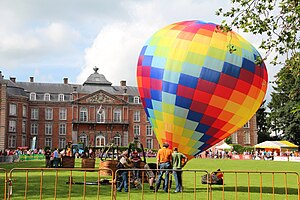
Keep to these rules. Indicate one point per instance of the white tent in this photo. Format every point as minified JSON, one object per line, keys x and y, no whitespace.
{"x":224,"y":146}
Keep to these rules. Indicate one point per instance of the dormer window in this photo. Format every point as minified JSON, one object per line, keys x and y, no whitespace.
{"x":61,"y":97}
{"x":47,"y":97}
{"x":136,"y":99}
{"x":32,"y":96}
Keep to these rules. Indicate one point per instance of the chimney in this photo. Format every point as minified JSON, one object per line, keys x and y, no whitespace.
{"x":1,"y":76}
{"x":123,"y":83}
{"x":31,"y":79}
{"x":13,"y":79}
{"x":66,"y":81}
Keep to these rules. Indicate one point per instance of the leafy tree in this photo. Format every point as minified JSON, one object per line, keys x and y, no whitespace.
{"x":278,"y":21}
{"x":285,"y":102}
{"x":263,"y":127}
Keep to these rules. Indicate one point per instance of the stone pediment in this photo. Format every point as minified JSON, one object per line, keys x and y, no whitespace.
{"x":102,"y":98}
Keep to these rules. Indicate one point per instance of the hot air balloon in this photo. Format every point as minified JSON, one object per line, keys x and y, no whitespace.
{"x":199,"y":84}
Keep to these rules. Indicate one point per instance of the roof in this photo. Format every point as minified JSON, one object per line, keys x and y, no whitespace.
{"x":275,"y":145}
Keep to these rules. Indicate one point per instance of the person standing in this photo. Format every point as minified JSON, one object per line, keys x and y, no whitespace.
{"x":47,"y":157}
{"x":179,"y":161}
{"x":124,"y":162}
{"x":163,"y":162}
{"x":55,"y":158}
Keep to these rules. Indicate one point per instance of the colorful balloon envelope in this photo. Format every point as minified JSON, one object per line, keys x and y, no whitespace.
{"x":199,"y":84}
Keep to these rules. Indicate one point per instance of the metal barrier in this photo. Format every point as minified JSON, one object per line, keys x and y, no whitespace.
{"x":81,"y":183}
{"x":3,"y":183}
{"x":60,"y":183}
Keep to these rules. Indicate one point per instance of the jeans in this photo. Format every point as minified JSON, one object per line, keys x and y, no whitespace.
{"x":55,"y":162}
{"x":163,"y":166}
{"x":124,"y":182}
{"x":178,"y":179}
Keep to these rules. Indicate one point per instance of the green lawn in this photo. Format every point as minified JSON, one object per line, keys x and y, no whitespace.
{"x":263,"y":185}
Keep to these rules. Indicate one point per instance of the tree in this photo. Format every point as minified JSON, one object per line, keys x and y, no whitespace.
{"x":263,"y":127}
{"x":278,"y":21}
{"x":285,"y":102}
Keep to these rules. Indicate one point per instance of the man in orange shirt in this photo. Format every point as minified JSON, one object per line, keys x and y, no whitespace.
{"x":164,"y":160}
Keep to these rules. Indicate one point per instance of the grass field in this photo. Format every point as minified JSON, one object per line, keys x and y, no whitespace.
{"x":241,"y":185}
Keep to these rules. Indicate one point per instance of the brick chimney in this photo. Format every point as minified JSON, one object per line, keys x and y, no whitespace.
{"x":31,"y":78}
{"x":1,"y":76}
{"x":123,"y":83}
{"x":13,"y":79}
{"x":66,"y":81}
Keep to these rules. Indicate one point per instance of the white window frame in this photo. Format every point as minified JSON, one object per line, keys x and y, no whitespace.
{"x":12,"y":140}
{"x":12,"y":109}
{"x":136,"y":99}
{"x":247,"y":137}
{"x":47,"y":97}
{"x":136,"y":129}
{"x":100,"y":141}
{"x":24,"y":111}
{"x":247,"y":125}
{"x":234,"y":138}
{"x":32,"y":96}
{"x":62,"y":141}
{"x":34,"y":129}
{"x":117,"y":115}
{"x":61,"y":97}
{"x":137,"y":116}
{"x":117,"y":140}
{"x":34,"y":113}
{"x":48,"y":129}
{"x":62,"y":114}
{"x":12,"y":126}
{"x":48,"y":142}
{"x":100,"y":117}
{"x":24,"y":138}
{"x":83,"y":114}
{"x":84,"y":139}
{"x":149,"y":131}
{"x":23,"y":126}
{"x":48,"y":114}
{"x":149,"y":143}
{"x":62,"y":129}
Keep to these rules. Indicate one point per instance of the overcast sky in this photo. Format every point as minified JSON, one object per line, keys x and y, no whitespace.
{"x":54,"y":39}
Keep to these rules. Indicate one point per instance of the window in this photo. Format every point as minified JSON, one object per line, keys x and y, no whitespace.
{"x":117,"y":140}
{"x":34,"y":113}
{"x":83,"y":115}
{"x":48,"y":129}
{"x":117,"y":115}
{"x":234,"y":138}
{"x":48,"y":114}
{"x":136,"y":130}
{"x":12,"y":124}
{"x":62,"y":143}
{"x":47,"y":97}
{"x":62,"y":114}
{"x":61,"y":97}
{"x":48,"y":142}
{"x":125,"y":138}
{"x":32,"y":96}
{"x":24,"y":111}
{"x":23,"y":140}
{"x":12,"y":109}
{"x":247,"y":137}
{"x":149,"y":130}
{"x":100,"y":141}
{"x":247,"y":125}
{"x":12,"y":141}
{"x":83,"y":139}
{"x":149,"y":143}
{"x":100,"y":115}
{"x":62,"y":129}
{"x":34,"y":129}
{"x":136,"y":100}
{"x":23,"y":126}
{"x":136,"y":116}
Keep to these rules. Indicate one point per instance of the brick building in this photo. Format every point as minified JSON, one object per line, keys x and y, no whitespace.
{"x":95,"y":113}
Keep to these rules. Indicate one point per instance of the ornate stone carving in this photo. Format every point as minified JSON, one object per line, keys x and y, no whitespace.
{"x":99,"y":98}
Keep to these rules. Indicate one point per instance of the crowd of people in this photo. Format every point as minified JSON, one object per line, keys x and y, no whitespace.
{"x":168,"y":162}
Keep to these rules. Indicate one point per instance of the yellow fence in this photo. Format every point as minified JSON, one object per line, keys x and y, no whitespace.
{"x":82,"y":183}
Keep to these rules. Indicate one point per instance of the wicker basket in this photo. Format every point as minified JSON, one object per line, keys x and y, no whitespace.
{"x":110,"y":164}
{"x":68,"y":162}
{"x":88,"y":163}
